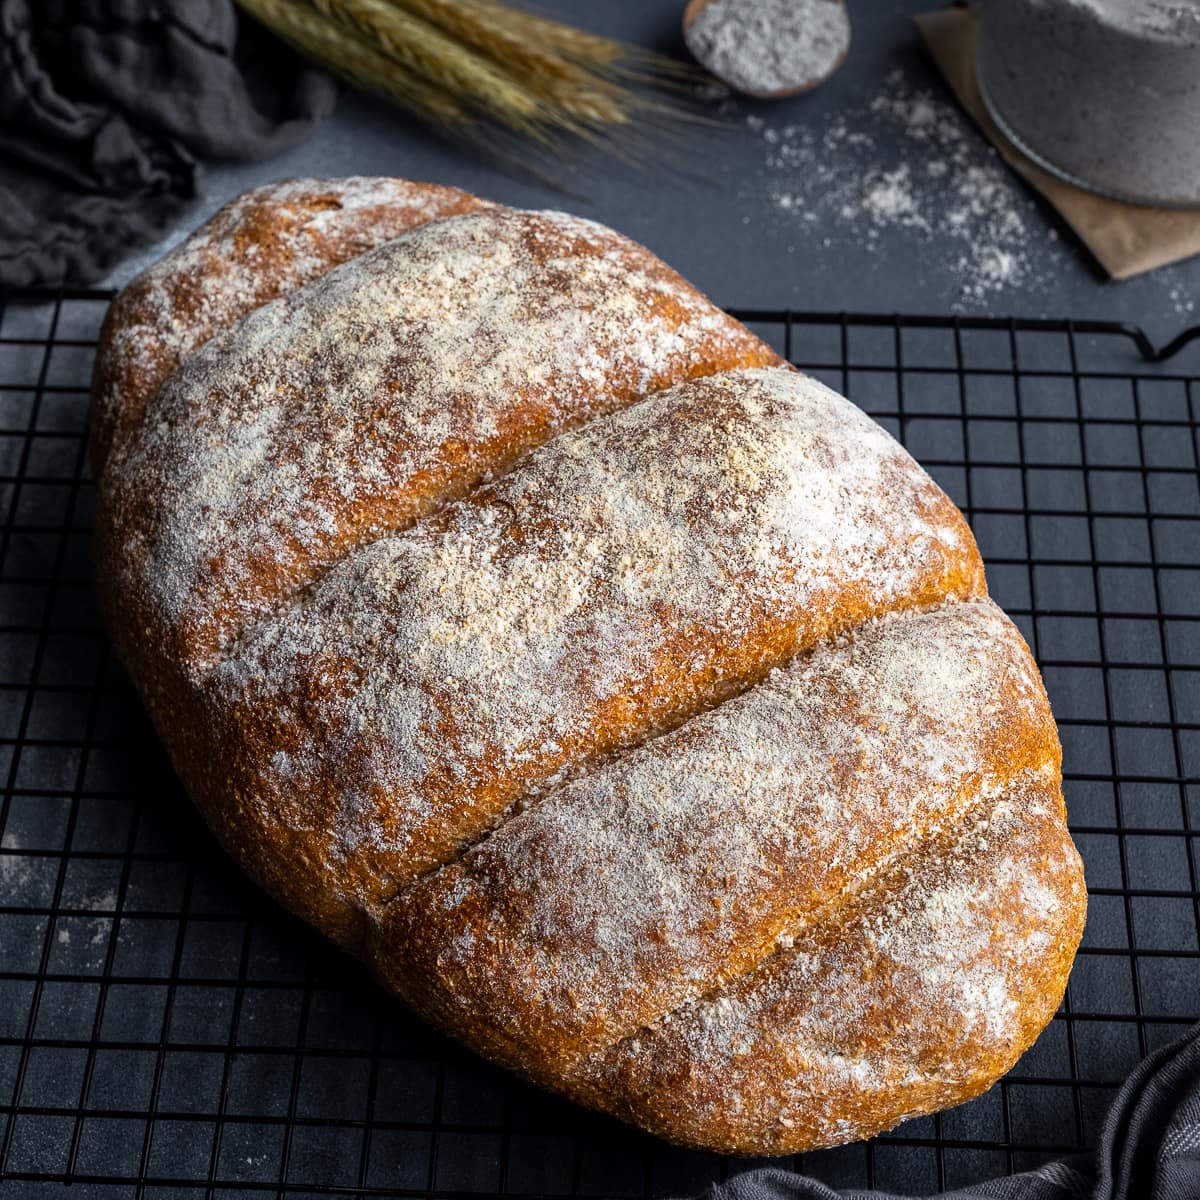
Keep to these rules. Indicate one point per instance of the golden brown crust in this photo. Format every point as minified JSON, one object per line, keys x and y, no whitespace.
{"x":263,"y":244}
{"x":467,"y":662}
{"x":747,"y":821}
{"x":367,"y":654}
{"x":385,"y":388}
{"x":917,"y":997}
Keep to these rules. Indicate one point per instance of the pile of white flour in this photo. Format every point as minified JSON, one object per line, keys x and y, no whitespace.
{"x":763,"y":46}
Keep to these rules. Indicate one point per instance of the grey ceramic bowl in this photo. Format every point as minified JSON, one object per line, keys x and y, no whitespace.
{"x":1104,"y":93}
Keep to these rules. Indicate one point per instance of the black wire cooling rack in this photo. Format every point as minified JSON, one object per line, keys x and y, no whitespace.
{"x":166,"y":1031}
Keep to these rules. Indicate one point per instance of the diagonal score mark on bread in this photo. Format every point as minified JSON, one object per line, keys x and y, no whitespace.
{"x":262,"y":245}
{"x":780,"y":804}
{"x":624,"y":575}
{"x":936,"y":977}
{"x":435,"y":598}
{"x":450,"y":352}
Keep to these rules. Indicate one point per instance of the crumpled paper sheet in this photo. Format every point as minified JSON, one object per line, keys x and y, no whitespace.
{"x":1126,"y":239}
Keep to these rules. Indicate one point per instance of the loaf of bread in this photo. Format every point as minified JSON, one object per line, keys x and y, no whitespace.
{"x":630,"y":701}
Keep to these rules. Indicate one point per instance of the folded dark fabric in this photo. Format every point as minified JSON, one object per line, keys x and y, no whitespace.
{"x":105,"y":105}
{"x":1149,"y":1149}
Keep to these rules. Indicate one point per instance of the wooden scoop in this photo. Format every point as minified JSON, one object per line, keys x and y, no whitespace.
{"x":718,"y":56}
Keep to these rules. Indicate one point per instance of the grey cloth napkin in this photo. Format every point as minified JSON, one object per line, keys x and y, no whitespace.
{"x":105,"y":106}
{"x":1149,"y":1149}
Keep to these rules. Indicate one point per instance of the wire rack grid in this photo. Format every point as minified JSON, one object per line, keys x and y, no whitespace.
{"x":165,"y":1030}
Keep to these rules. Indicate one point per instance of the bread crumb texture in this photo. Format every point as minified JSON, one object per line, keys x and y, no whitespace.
{"x":632,"y":702}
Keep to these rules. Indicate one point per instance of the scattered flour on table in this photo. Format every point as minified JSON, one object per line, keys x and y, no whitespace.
{"x":769,"y":45}
{"x":1181,"y":298}
{"x":910,"y":160}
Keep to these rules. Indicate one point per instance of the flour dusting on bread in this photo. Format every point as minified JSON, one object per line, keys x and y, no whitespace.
{"x":885,"y":1012}
{"x":358,"y":403}
{"x":266,"y":243}
{"x":751,"y":822}
{"x":623,"y":576}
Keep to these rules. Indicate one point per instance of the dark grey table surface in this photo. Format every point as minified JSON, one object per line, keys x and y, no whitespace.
{"x":872,"y":194}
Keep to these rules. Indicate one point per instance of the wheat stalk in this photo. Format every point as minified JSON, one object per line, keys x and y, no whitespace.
{"x":313,"y":35}
{"x":489,"y":26}
{"x":420,"y":49}
{"x":469,"y":66}
{"x":493,"y":27}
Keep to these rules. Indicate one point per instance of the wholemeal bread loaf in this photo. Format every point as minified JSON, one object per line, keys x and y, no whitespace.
{"x":631,"y":702}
